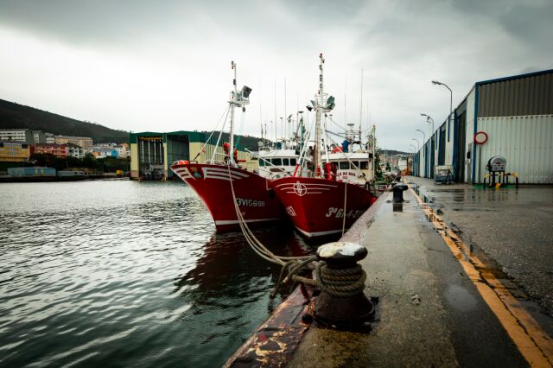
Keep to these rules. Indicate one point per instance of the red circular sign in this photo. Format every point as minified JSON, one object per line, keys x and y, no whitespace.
{"x":480,"y":138}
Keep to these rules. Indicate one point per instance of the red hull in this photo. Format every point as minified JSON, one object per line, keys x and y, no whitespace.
{"x":212,"y":183}
{"x":316,"y":206}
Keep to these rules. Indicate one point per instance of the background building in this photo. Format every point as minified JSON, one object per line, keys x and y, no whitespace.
{"x":22,"y":172}
{"x":14,"y":152}
{"x":39,"y":137}
{"x":17,"y":135}
{"x":75,"y":150}
{"x":516,"y":114}
{"x":155,"y":152}
{"x":79,"y":141}
{"x":103,"y":152}
{"x":50,"y":138}
{"x":123,"y":150}
{"x":58,"y":150}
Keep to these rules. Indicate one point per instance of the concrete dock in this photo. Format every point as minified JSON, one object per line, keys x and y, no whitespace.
{"x":440,"y":302}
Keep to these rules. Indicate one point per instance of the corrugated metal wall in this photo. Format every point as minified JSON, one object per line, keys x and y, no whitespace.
{"x":532,"y":95}
{"x":525,"y":141}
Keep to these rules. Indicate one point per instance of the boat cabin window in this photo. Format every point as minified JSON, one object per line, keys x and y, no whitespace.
{"x":364,"y":165}
{"x":277,"y":161}
{"x":285,"y":162}
{"x":292,"y":162}
{"x":261,"y":162}
{"x":344,"y":165}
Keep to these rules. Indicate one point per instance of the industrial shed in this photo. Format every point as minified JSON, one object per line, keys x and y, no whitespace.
{"x":152,"y":153}
{"x":516,"y":113}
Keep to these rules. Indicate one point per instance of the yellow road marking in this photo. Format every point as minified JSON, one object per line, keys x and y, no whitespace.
{"x":532,"y":341}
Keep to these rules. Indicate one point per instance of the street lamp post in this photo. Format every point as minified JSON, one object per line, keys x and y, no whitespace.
{"x":436,"y":83}
{"x":423,"y":135}
{"x":415,"y":171}
{"x":429,"y":120}
{"x":418,"y":144}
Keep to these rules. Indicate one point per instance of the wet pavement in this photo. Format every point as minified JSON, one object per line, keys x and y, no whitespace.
{"x":511,"y":228}
{"x":429,"y":312}
{"x":440,"y":301}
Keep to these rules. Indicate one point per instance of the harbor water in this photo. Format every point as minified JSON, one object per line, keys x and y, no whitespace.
{"x":123,"y":273}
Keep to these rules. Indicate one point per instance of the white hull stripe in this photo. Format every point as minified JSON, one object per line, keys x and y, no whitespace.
{"x":318,"y":233}
{"x":218,"y":174}
{"x":292,"y":192}
{"x":182,"y":173}
{"x":235,"y":222}
{"x":215,"y":177}
{"x":224,"y":171}
{"x":184,"y":177}
{"x":308,"y":189}
{"x":307,"y":185}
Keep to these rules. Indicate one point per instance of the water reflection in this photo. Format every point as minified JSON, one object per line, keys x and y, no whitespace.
{"x":127,"y":273}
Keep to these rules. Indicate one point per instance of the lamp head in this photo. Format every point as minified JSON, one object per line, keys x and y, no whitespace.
{"x":246,"y":92}
{"x":436,"y":83}
{"x":423,"y":114}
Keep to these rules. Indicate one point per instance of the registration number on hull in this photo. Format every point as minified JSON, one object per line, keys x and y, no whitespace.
{"x":339,"y":213}
{"x":245,"y":202}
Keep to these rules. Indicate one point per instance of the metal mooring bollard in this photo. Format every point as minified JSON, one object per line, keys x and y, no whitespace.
{"x":398,"y":190}
{"x":342,"y":302}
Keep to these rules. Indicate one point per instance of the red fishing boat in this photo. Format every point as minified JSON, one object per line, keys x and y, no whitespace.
{"x":316,"y":202}
{"x":215,"y":181}
{"x":212,"y":183}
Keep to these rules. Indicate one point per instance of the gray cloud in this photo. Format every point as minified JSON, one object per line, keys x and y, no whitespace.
{"x":165,"y":49}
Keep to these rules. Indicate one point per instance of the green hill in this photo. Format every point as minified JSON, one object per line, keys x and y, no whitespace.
{"x":391,"y":152}
{"x":13,"y":115}
{"x":245,"y":141}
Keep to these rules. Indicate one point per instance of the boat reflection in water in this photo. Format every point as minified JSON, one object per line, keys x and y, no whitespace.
{"x":226,"y":295}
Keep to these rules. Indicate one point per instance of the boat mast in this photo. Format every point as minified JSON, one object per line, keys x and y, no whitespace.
{"x":240,"y":99}
{"x":320,"y":104}
{"x":232,"y":104}
{"x":361,"y":108}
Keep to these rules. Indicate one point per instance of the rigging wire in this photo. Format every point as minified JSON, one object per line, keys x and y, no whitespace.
{"x":225,"y":113}
{"x":220,"y":135}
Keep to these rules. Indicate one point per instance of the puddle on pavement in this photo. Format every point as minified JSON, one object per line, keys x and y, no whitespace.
{"x":460,"y":298}
{"x":447,"y":190}
{"x":473,"y":209}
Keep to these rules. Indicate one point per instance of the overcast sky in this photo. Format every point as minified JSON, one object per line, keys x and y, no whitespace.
{"x":150,"y":65}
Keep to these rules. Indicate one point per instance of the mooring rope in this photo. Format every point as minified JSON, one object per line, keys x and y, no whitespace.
{"x":340,"y":283}
{"x":251,"y":239}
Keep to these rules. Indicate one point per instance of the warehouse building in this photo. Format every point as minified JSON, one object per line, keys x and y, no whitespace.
{"x":512,"y":118}
{"x":153,"y":153}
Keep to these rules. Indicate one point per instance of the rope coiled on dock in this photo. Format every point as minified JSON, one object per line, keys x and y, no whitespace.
{"x":339,"y":283}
